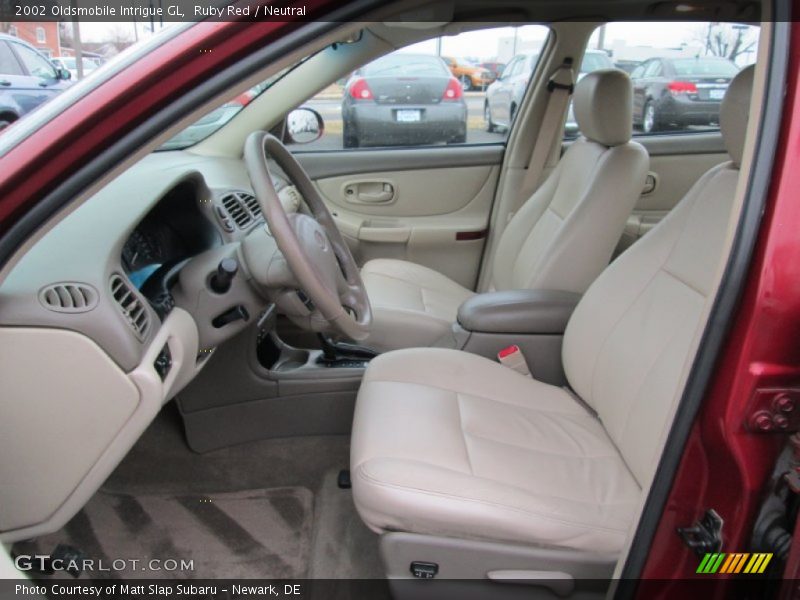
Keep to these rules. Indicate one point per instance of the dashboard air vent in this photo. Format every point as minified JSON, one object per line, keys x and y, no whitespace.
{"x":69,"y":297}
{"x":252,"y":205}
{"x":132,"y":307}
{"x":242,"y":207}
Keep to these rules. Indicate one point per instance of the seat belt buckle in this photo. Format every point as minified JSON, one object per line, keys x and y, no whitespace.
{"x":513,"y":358}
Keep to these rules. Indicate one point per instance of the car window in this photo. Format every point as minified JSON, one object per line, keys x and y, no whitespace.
{"x":413,"y":97}
{"x":35,"y":63}
{"x":509,"y":69}
{"x":653,"y":69}
{"x":595,"y":61}
{"x":704,"y":67}
{"x":397,"y":66}
{"x":680,"y":71}
{"x":211,"y":122}
{"x":9,"y":65}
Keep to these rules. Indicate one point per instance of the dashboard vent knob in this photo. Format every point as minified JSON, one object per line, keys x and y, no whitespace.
{"x":133,"y":308}
{"x":68,"y":297}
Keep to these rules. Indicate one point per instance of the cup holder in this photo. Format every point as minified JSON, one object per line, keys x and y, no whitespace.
{"x":274,"y":355}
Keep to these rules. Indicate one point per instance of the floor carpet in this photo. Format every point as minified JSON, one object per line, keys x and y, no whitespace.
{"x":269,"y":509}
{"x":247,"y":534}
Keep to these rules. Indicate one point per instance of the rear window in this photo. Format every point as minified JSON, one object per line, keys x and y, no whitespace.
{"x":406,"y":66}
{"x":688,"y":67}
{"x":595,"y":62}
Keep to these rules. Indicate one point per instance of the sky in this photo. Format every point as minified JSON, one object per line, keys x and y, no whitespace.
{"x":483,"y":44}
{"x":661,"y":35}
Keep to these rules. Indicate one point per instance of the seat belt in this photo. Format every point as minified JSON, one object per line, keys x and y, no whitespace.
{"x":560,"y":87}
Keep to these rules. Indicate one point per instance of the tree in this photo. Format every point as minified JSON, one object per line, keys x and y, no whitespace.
{"x":727,"y":40}
{"x":119,"y":36}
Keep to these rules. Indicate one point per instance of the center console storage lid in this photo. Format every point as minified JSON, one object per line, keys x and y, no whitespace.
{"x":518,"y":311}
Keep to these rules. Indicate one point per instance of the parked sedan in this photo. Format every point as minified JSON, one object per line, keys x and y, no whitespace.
{"x":471,"y":75}
{"x":403,"y":99}
{"x":70,"y":63}
{"x":27,"y":79}
{"x":504,"y":95}
{"x":679,"y":91}
{"x":494,"y":67}
{"x":593,"y":60}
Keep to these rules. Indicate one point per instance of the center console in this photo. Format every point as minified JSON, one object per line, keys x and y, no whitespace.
{"x":256,"y":386}
{"x":534,"y":320}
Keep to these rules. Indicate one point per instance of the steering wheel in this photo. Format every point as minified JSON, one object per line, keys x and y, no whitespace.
{"x":313,"y":248}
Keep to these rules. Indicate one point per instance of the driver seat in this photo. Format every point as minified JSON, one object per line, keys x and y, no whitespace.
{"x":448,"y":445}
{"x":561,"y":238}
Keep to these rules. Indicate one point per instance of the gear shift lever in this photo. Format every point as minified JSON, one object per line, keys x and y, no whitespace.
{"x":328,"y":349}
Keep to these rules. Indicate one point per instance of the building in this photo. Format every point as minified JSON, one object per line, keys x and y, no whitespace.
{"x":43,"y":35}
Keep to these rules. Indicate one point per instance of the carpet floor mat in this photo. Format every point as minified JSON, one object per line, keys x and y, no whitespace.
{"x":246,"y":534}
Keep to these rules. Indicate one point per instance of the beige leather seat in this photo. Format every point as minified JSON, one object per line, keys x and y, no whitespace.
{"x":450,"y":444}
{"x":561,"y":238}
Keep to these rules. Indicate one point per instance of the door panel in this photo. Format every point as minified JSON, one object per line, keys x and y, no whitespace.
{"x":676,"y":163}
{"x":436,"y":215}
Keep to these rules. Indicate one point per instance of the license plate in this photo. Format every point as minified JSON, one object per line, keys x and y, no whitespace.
{"x":716,"y":94}
{"x":409,"y":116}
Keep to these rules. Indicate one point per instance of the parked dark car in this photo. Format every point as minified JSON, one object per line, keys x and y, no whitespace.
{"x":679,"y":91}
{"x":403,"y":99}
{"x":27,"y":79}
{"x":495,"y":68}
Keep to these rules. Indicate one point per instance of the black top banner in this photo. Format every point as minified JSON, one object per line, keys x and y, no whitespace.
{"x":298,"y":10}
{"x":146,"y":10}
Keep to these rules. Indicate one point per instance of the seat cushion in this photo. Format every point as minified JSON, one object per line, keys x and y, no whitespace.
{"x":412,"y":305}
{"x":449,"y":443}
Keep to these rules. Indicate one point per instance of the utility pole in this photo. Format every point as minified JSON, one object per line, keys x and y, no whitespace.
{"x":601,"y":38}
{"x":76,"y":40}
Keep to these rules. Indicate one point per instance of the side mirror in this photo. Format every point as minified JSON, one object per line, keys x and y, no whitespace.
{"x":63,"y":73}
{"x":303,"y":126}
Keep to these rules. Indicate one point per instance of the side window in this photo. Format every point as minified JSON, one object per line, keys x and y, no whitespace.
{"x":9,"y":65}
{"x":680,"y":72}
{"x":36,"y":64}
{"x":653,"y":69}
{"x":437,"y":92}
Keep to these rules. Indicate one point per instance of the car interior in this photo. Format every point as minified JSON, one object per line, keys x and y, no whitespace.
{"x":231,"y":352}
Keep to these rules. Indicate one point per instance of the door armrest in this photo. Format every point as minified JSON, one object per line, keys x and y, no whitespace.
{"x":518,"y":311}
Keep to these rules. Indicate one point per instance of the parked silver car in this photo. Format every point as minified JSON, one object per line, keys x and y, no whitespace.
{"x":504,"y":95}
{"x":593,"y":60}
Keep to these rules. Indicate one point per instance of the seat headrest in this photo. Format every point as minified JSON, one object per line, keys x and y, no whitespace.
{"x":603,"y":106}
{"x":734,"y":111}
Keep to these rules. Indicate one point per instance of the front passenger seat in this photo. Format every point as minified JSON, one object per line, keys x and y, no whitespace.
{"x":561,"y":239}
{"x":461,"y":461}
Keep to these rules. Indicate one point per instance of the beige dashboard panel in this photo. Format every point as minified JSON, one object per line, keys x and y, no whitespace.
{"x":69,"y":414}
{"x":63,"y":402}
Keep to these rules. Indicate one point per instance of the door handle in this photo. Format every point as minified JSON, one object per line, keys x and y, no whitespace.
{"x":369,"y":192}
{"x":650,"y":184}
{"x":5,"y":82}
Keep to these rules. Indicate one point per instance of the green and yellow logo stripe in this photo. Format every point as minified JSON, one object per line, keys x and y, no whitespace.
{"x":734,"y":562}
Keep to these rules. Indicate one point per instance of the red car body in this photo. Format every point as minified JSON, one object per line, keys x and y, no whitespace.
{"x":724,"y":465}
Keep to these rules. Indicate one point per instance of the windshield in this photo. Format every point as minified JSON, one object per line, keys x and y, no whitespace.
{"x":704,"y":67}
{"x":208,"y":124}
{"x":398,"y":65}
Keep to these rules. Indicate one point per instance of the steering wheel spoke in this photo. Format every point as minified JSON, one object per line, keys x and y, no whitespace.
{"x":312,"y":246}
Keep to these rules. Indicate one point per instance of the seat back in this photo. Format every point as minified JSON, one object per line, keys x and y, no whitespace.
{"x":564,"y":235}
{"x":627,"y":342}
